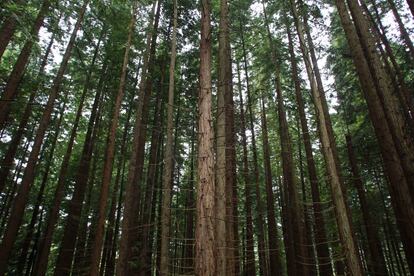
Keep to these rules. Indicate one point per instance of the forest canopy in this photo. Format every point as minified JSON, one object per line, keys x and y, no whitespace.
{"x":209,"y":137}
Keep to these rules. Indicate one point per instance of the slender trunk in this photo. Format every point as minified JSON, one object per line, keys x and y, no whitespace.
{"x":205,"y":261}
{"x":10,"y":91}
{"x":377,"y":262}
{"x":259,"y":206}
{"x":152,"y":174}
{"x":225,"y":79}
{"x":329,"y":150}
{"x":21,"y":199}
{"x":221,"y":225}
{"x":250,"y":262}
{"x":168,"y":157}
{"x":130,"y":235}
{"x":275,"y":264}
{"x":110,"y":243}
{"x":321,"y":240}
{"x":109,"y":156}
{"x":188,"y":266}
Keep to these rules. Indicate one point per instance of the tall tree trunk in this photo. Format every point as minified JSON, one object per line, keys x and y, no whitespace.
{"x":250,"y":260}
{"x":329,"y":150}
{"x":168,"y":157}
{"x":289,"y":179}
{"x":21,"y":199}
{"x":398,"y":184}
{"x":130,"y":236}
{"x":152,"y":173}
{"x":275,"y":264}
{"x":321,"y":240}
{"x":10,"y":91}
{"x":221,"y":225}
{"x":109,"y":155}
{"x":110,"y":243}
{"x":377,"y":262}
{"x":259,"y":206}
{"x":205,"y":261}
{"x":188,"y":265}
{"x":226,"y":84}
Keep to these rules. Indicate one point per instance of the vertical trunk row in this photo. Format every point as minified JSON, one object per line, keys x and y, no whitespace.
{"x":168,"y":157}
{"x":221,"y":198}
{"x":205,"y":261}
{"x":250,"y":260}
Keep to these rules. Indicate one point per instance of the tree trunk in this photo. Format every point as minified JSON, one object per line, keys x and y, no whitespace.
{"x":21,"y":199}
{"x":109,"y":155}
{"x":129,"y":239}
{"x":168,"y":157}
{"x":329,"y":150}
{"x":275,"y":264}
{"x":250,"y":260}
{"x":205,"y":261}
{"x":10,"y":91}
{"x":259,"y":223}
{"x":321,"y":240}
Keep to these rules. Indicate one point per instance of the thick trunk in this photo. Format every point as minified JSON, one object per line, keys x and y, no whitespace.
{"x":10,"y":91}
{"x":29,"y":174}
{"x":168,"y":158}
{"x":205,"y":261}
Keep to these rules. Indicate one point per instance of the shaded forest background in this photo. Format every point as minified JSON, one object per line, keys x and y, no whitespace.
{"x":179,"y":137}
